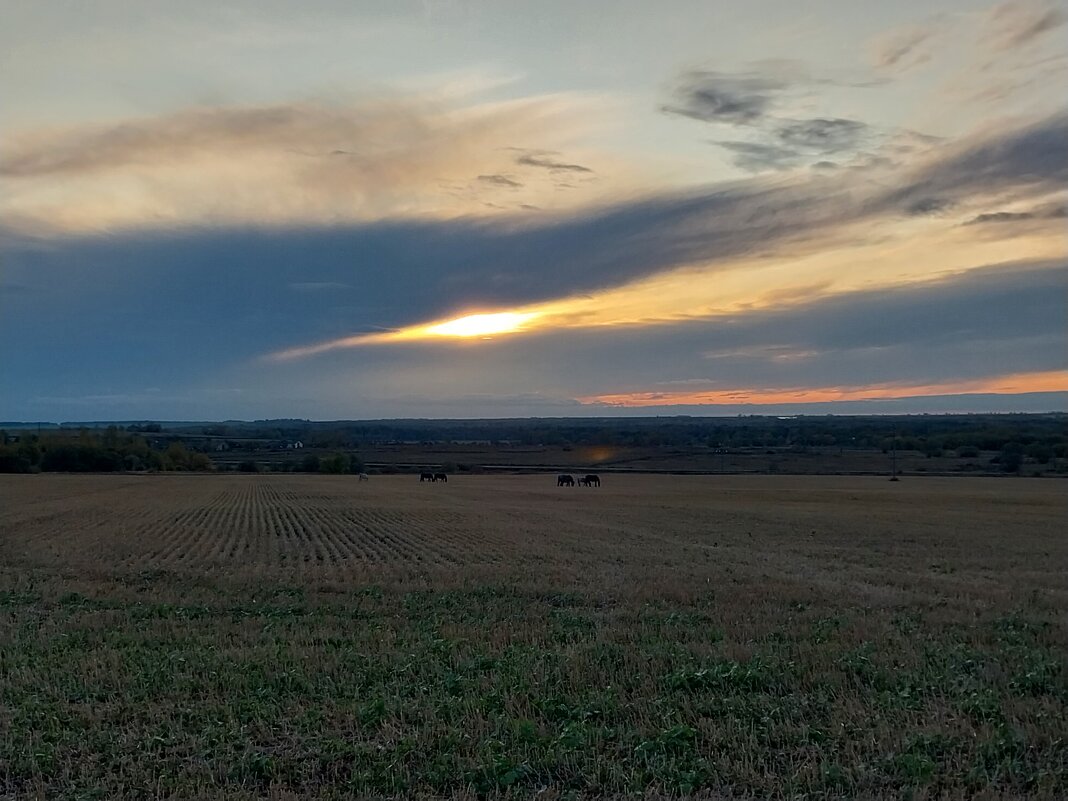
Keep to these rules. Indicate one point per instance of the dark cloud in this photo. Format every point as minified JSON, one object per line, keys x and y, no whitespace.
{"x":545,"y":159}
{"x":1000,"y":216}
{"x":1032,"y":159}
{"x":738,"y":99}
{"x":927,"y":206}
{"x":749,"y":100}
{"x":500,"y":180}
{"x":822,"y":135}
{"x":757,"y":156}
{"x":1048,"y":212}
{"x":1017,"y":23}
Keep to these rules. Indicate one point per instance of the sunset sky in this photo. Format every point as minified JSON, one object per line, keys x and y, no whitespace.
{"x":338,"y":209}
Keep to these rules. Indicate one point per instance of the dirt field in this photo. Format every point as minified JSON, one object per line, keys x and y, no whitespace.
{"x":737,"y":636}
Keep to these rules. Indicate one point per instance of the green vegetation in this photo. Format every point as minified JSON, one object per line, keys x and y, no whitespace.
{"x":136,"y":690}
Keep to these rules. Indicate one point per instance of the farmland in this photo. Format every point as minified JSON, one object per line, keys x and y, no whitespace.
{"x":294,"y":636}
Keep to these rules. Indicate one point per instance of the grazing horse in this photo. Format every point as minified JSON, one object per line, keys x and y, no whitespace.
{"x":441,"y":477}
{"x":425,"y":477}
{"x":364,"y":477}
{"x":591,"y":480}
{"x":564,"y":480}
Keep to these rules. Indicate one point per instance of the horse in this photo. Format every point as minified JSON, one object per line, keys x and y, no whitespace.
{"x":564,"y":480}
{"x":364,"y":477}
{"x":441,"y":477}
{"x":591,"y":480}
{"x":425,"y":477}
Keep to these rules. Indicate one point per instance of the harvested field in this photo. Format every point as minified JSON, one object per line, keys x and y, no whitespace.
{"x":737,"y":636}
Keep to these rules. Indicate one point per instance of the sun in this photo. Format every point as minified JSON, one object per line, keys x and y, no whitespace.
{"x":471,"y":326}
{"x":481,"y":325}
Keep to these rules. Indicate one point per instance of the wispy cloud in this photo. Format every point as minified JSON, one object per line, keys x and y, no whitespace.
{"x":903,"y":48}
{"x":375,"y":158}
{"x":547,"y":159}
{"x":1017,"y":23}
{"x":1049,"y":211}
{"x":500,"y":180}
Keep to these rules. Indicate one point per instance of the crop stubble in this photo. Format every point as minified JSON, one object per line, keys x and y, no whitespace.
{"x":828,"y":637}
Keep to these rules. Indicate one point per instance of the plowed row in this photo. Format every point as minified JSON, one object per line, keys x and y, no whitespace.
{"x":633,"y":531}
{"x":246,"y":523}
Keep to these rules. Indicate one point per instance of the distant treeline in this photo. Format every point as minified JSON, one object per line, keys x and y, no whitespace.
{"x":114,"y":450}
{"x":151,"y":446}
{"x":921,"y":433}
{"x":85,"y":451}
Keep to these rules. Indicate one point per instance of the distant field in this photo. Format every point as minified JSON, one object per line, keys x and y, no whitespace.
{"x":299,"y":636}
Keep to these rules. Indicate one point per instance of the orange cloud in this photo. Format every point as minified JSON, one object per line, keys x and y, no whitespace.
{"x":1017,"y":383}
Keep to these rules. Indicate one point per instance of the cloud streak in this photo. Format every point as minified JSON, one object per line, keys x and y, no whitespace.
{"x":1017,"y":23}
{"x":295,"y":162}
{"x":546,"y":159}
{"x":903,"y":48}
{"x":1050,"y":381}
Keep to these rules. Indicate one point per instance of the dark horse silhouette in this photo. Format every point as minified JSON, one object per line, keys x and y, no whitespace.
{"x":426,"y":477}
{"x":441,"y":477}
{"x":590,"y":480}
{"x":564,"y":480}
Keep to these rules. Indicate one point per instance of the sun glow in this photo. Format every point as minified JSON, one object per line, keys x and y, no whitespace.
{"x":471,"y":326}
{"x":481,"y":325}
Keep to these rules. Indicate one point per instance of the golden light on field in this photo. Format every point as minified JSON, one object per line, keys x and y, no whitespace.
{"x":599,"y":453}
{"x":481,"y":325}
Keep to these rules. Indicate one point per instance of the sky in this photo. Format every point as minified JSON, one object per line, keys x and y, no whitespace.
{"x":448,"y":208}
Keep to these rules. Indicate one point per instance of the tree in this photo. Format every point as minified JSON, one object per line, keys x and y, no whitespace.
{"x":1011,"y":457}
{"x":1040,"y":452}
{"x":335,"y":463}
